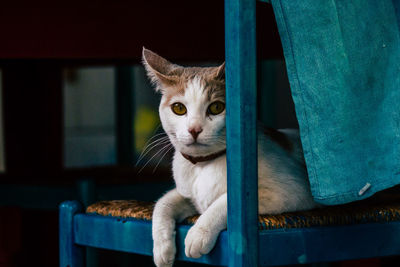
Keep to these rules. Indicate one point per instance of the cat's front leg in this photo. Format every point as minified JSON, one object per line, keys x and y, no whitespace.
{"x":201,"y":238}
{"x":169,"y":209}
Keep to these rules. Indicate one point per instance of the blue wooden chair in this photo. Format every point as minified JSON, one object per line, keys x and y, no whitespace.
{"x":243,"y":243}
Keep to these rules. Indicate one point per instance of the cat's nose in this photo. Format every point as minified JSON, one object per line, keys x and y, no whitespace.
{"x":195,"y":131}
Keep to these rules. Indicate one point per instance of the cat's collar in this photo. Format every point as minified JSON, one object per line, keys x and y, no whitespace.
{"x":195,"y":160}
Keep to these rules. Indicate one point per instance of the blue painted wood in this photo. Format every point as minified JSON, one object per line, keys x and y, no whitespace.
{"x":277,"y":247}
{"x":240,"y":53}
{"x":134,"y":236}
{"x":326,"y":244}
{"x":71,"y":255}
{"x":87,"y":196}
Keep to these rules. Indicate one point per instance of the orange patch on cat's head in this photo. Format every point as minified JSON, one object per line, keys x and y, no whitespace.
{"x":172,"y":79}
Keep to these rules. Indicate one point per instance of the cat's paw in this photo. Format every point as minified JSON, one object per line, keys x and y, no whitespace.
{"x":164,"y":253}
{"x":199,"y":241}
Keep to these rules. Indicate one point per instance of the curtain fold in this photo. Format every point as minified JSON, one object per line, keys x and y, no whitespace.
{"x":343,"y":62}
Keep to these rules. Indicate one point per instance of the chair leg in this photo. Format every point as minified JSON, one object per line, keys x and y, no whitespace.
{"x":71,"y":255}
{"x":87,"y":196}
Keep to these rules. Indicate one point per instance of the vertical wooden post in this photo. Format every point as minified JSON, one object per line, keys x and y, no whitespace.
{"x":71,"y":255}
{"x":241,"y":94}
{"x":86,"y":188}
{"x":87,"y":195}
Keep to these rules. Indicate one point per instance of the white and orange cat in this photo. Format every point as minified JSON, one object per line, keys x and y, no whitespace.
{"x":192,"y":113}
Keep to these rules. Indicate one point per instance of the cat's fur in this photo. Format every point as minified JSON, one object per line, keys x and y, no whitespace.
{"x":201,"y":187}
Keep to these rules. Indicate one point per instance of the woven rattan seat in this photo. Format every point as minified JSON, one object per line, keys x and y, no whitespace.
{"x":382,"y":208}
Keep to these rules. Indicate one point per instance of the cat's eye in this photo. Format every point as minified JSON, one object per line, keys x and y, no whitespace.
{"x":216,"y":108}
{"x":178,"y":109}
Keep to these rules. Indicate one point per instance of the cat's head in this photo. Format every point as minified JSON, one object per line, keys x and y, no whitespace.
{"x":192,"y":108}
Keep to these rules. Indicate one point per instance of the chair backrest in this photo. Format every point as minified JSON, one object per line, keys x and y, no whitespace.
{"x":241,"y":90}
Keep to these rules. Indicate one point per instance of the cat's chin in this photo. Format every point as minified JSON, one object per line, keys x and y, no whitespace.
{"x":196,"y":144}
{"x":199,"y":150}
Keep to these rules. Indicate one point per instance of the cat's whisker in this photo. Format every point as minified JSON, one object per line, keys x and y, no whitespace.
{"x":148,"y":143}
{"x":154,"y":131}
{"x":171,"y":146}
{"x":160,"y":151}
{"x":147,"y":149}
{"x":151,"y":139}
{"x":150,"y":149}
{"x":154,"y":142}
{"x":154,"y":136}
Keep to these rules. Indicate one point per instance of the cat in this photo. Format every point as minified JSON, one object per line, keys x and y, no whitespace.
{"x":192,"y":113}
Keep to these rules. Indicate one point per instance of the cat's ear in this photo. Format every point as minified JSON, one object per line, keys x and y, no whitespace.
{"x":160,"y":71}
{"x":219,"y":73}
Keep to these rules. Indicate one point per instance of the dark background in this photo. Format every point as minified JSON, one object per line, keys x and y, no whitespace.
{"x":39,"y":40}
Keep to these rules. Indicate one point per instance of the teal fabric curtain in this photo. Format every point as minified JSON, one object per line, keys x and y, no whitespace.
{"x":343,"y":62}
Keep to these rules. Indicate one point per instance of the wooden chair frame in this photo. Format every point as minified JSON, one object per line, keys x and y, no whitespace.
{"x":242,"y":244}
